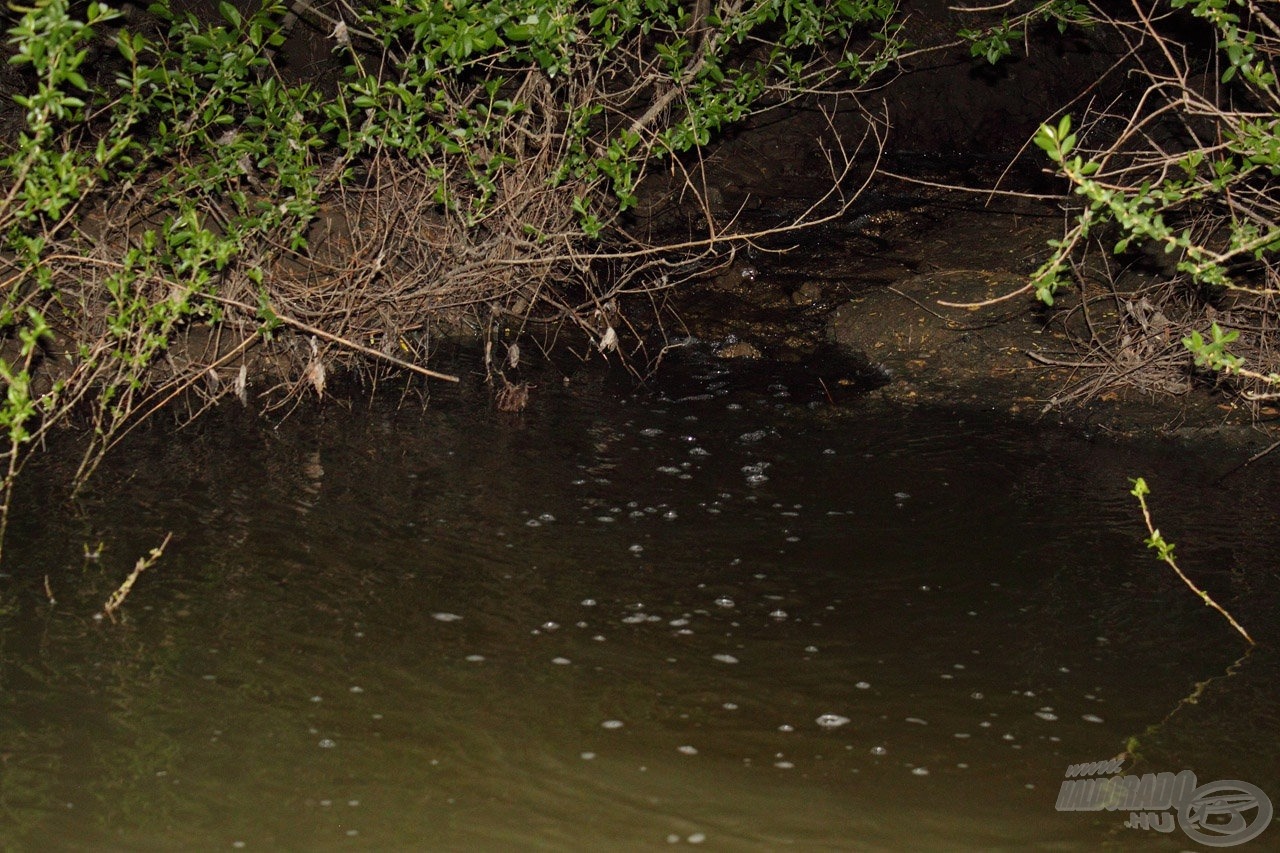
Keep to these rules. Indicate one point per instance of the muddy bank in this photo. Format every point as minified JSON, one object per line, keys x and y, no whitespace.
{"x":887,"y":287}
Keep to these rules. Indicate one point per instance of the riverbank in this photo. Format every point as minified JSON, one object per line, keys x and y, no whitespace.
{"x":931,"y":293}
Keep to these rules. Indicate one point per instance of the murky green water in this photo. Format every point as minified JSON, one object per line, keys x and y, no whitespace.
{"x":624,"y":621}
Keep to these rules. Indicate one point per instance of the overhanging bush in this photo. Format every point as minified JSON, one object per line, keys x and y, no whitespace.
{"x":163,"y":214}
{"x":1186,"y":166}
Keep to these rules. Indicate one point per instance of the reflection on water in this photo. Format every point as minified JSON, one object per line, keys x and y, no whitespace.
{"x":621,"y":621}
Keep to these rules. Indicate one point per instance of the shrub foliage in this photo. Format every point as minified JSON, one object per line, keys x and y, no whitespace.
{"x":182,"y":209}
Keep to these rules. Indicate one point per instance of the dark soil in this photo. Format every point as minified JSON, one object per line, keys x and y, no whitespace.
{"x":865,"y":297}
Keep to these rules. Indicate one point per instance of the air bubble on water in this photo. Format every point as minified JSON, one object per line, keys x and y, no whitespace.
{"x":696,"y":838}
{"x":919,"y":771}
{"x":611,"y":724}
{"x":533,"y":522}
{"x":475,"y":658}
{"x":863,"y":685}
{"x":356,"y":688}
{"x":651,"y":432}
{"x":1007,"y":736}
{"x":636,"y":549}
{"x":829,"y":452}
{"x":753,"y":436}
{"x":317,"y":698}
{"x":724,"y":601}
{"x":917,"y":721}
{"x":832,"y":721}
{"x":698,"y":451}
{"x":725,"y":658}
{"x":588,"y":602}
{"x":550,"y":626}
{"x":961,"y":735}
{"x":778,"y":614}
{"x":1092,"y":718}
{"x":678,"y":623}
{"x":673,"y":839}
{"x":561,"y":661}
{"x":326,"y":743}
{"x":730,"y":706}
{"x":670,"y":515}
{"x":976,"y":695}
{"x":668,"y":469}
{"x":605,"y":519}
{"x":687,"y":750}
{"x":786,"y":727}
{"x":587,"y":756}
{"x":634,"y":619}
{"x":546,"y":518}
{"x":879,"y":750}
{"x":446,"y":617}
{"x":783,"y":765}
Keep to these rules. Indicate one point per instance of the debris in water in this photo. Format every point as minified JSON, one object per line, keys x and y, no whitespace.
{"x":832,"y":721}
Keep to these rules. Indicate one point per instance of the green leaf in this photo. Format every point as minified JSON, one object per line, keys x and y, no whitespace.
{"x":229,"y":13}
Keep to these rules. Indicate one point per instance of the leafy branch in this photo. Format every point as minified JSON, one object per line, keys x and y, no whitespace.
{"x":1164,"y":552}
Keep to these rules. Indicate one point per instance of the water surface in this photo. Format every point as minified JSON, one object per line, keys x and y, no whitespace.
{"x":693,"y":614}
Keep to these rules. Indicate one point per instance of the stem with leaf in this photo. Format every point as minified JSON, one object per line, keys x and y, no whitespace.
{"x":1164,"y":552}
